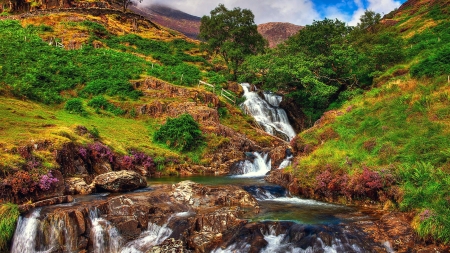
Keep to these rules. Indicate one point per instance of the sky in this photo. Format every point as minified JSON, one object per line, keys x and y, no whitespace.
{"x":299,"y":12}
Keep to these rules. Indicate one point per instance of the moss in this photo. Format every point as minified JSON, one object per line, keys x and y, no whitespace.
{"x":9,"y":214}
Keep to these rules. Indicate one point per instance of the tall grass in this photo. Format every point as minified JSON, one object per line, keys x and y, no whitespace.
{"x":427,"y":191}
{"x":9,"y":214}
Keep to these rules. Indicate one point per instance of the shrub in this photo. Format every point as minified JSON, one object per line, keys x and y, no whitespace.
{"x":427,"y":190}
{"x":100,"y":102}
{"x":182,"y":133}
{"x":46,"y":181}
{"x":75,"y":105}
{"x":9,"y":214}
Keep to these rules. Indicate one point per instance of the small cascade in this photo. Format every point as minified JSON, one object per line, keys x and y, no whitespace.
{"x":153,"y":236}
{"x":24,"y":240}
{"x":267,"y":114}
{"x":286,"y":162}
{"x":260,"y":166}
{"x":282,"y":237}
{"x":273,"y":99}
{"x":106,"y":238}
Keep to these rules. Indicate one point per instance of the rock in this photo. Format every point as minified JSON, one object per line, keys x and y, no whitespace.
{"x":120,"y":181}
{"x":52,"y":201}
{"x":77,"y":186}
{"x":169,"y":246}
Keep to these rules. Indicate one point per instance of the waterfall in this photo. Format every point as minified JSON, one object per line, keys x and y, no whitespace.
{"x":106,"y":238}
{"x":286,"y":162}
{"x":258,"y":168}
{"x":24,"y":240}
{"x":267,"y":114}
{"x":153,"y":236}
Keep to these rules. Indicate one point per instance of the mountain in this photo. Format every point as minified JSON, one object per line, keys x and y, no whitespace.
{"x":174,"y":19}
{"x":277,"y":32}
{"x":189,"y":25}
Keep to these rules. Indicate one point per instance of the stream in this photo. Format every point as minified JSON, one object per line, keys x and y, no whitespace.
{"x":283,"y":223}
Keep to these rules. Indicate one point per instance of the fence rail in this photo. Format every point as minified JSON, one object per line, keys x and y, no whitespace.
{"x":224,"y":93}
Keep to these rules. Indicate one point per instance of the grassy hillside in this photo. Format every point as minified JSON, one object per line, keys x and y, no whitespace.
{"x":49,"y":92}
{"x":391,"y":144}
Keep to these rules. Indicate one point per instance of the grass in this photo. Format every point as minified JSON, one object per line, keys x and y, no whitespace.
{"x":24,"y":123}
{"x":9,"y":213}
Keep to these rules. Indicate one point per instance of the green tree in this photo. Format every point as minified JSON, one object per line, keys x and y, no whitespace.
{"x":368,"y":21}
{"x":182,"y":133}
{"x":232,"y":34}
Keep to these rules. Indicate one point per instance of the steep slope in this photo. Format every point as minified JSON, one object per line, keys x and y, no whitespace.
{"x":277,"y":32}
{"x":390,"y":144}
{"x":90,"y":93}
{"x":174,"y":19}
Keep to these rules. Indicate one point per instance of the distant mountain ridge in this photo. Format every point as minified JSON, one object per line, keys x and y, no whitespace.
{"x":171,"y":18}
{"x":274,"y":32}
{"x":278,"y":32}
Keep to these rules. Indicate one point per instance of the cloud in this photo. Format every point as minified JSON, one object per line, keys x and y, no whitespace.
{"x":299,"y":12}
{"x":378,"y":6}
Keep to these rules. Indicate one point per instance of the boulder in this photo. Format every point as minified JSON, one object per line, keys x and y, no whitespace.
{"x":169,"y":245}
{"x":77,"y":186}
{"x":120,"y":181}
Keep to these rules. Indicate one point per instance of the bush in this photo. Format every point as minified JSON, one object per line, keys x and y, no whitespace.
{"x":75,"y":105}
{"x":9,"y":214}
{"x":100,"y":102}
{"x":427,"y":190}
{"x":435,"y":65}
{"x":182,"y":133}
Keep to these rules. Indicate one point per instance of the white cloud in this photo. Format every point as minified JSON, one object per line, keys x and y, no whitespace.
{"x":383,"y":6}
{"x":299,"y":12}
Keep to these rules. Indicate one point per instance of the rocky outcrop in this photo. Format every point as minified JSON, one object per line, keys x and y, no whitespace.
{"x":169,"y":246}
{"x":119,"y":181}
{"x":193,"y":215}
{"x":295,"y":115}
{"x":77,"y":186}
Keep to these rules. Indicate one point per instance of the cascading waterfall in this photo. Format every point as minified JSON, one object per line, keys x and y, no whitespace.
{"x":153,"y":236}
{"x":286,"y":162}
{"x":106,"y":238}
{"x":267,"y":114}
{"x":24,"y":240}
{"x":258,"y":168}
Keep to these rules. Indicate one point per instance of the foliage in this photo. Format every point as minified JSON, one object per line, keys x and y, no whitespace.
{"x":46,"y":71}
{"x":182,"y":74}
{"x":434,"y":65}
{"x":75,"y":105}
{"x":232,"y":34}
{"x":99,"y":102}
{"x":326,"y":63}
{"x":46,"y":181}
{"x":182,"y":133}
{"x":368,"y":21}
{"x":427,"y":190}
{"x":9,"y":213}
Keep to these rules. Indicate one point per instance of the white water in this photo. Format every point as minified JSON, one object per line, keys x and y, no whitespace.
{"x":153,"y":236}
{"x":106,"y":238}
{"x":259,"y":168}
{"x":286,"y":162}
{"x":267,"y":114}
{"x":24,"y":240}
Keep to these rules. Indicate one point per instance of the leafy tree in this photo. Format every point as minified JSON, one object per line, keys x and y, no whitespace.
{"x":368,"y":21}
{"x":182,"y":133}
{"x":232,"y":34}
{"x":125,"y":3}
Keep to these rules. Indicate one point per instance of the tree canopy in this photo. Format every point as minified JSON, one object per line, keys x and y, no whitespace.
{"x":232,"y":34}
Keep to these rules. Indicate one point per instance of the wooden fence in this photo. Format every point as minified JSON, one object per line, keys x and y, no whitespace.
{"x":224,"y":93}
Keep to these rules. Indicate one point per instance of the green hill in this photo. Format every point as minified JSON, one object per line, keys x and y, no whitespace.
{"x":390,"y":144}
